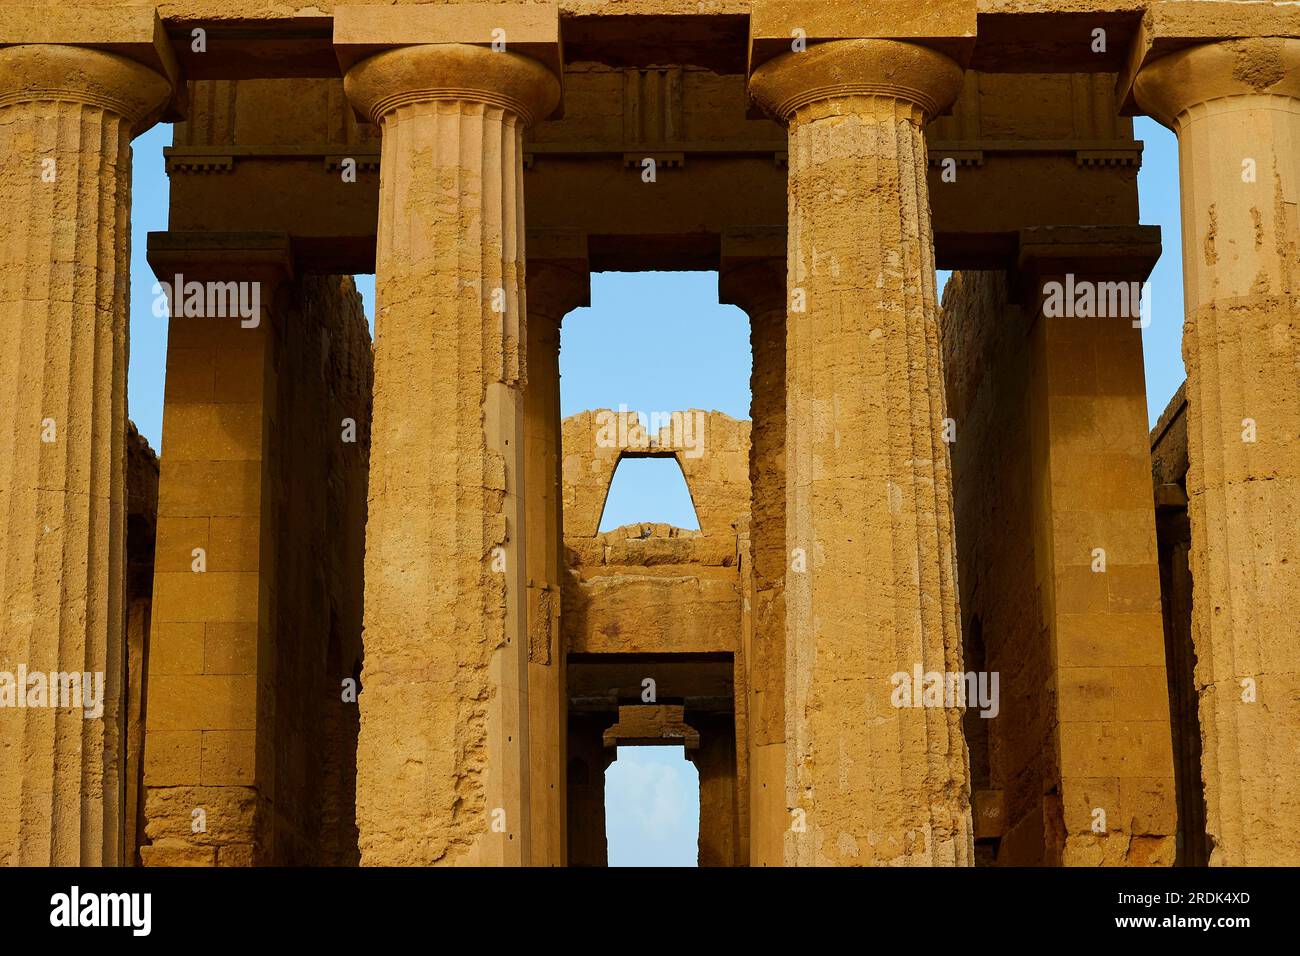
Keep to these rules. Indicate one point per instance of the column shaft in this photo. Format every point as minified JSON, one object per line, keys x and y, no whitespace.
{"x":67,"y":116}
{"x":1236,"y":108}
{"x":443,"y":759}
{"x":870,"y":587}
{"x":715,"y":761}
{"x":588,"y":759}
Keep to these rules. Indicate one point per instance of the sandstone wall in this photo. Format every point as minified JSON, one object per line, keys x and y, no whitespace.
{"x":1059,"y":578}
{"x":654,"y":593}
{"x":320,"y":493}
{"x":713,"y":456}
{"x":1174,"y":538}
{"x":986,"y":365}
{"x":652,"y":588}
{"x":246,"y":718}
{"x":141,"y":527}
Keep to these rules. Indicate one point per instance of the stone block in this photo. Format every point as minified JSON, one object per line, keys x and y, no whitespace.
{"x":172,"y":758}
{"x":229,"y":758}
{"x":204,"y":702}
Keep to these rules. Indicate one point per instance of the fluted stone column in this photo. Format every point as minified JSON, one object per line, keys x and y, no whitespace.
{"x":758,"y":287}
{"x":1235,"y":106}
{"x":870,"y":582}
{"x":443,"y":757}
{"x":554,"y":290}
{"x":67,"y":116}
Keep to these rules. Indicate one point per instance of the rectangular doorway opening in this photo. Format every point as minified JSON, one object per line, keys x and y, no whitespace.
{"x":653,"y":777}
{"x":652,"y":808}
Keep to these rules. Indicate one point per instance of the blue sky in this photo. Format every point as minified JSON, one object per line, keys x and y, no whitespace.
{"x":652,"y":807}
{"x":654,"y":342}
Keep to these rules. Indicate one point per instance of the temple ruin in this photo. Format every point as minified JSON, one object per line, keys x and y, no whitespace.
{"x":360,"y":612}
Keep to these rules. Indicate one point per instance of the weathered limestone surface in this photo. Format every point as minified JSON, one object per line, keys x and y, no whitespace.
{"x":1235,"y":106}
{"x":689,"y":606}
{"x":323,"y":424}
{"x":656,"y":601}
{"x":204,"y":9}
{"x":227,"y":685}
{"x":67,"y":117}
{"x":987,"y":367}
{"x":759,"y":288}
{"x":1049,"y":145}
{"x":653,"y":725}
{"x":141,"y":530}
{"x":213,"y":576}
{"x":1174,"y":541}
{"x":1111,"y":800}
{"x":868,"y":503}
{"x":649,"y":588}
{"x":213,"y":623}
{"x":722,"y":784}
{"x":587,"y":760}
{"x":1112,"y":711}
{"x":554,"y":289}
{"x":256,"y":618}
{"x":444,"y":753}
{"x":711,"y":448}
{"x":1049,"y":464}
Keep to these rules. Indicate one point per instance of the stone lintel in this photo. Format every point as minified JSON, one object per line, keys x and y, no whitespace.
{"x":1170,"y":497}
{"x":944,"y":25}
{"x":652,"y":725}
{"x":529,"y":29}
{"x":560,"y":244}
{"x":224,"y":256}
{"x":1043,"y":36}
{"x":133,"y":32}
{"x":744,"y":244}
{"x":1117,"y":252}
{"x":1172,"y":25}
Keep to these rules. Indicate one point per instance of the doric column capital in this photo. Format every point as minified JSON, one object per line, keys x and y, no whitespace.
{"x":51,"y":72}
{"x":1169,"y":87}
{"x":458,"y":72}
{"x":917,"y":75}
